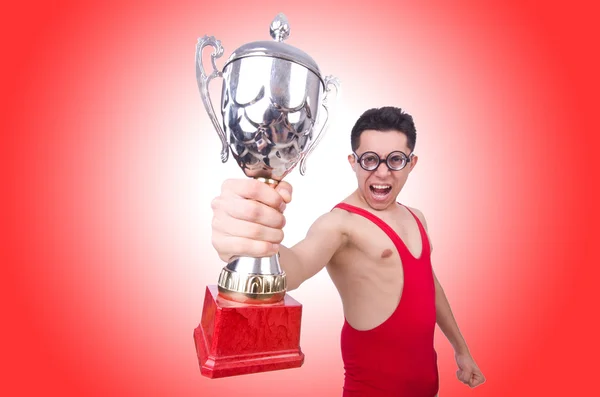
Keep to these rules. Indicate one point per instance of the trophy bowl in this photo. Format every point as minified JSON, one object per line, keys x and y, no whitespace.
{"x":274,"y":112}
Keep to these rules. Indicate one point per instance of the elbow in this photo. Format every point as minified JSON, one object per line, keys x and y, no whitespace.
{"x":293,"y":281}
{"x":294,"y":277}
{"x":292,"y":285}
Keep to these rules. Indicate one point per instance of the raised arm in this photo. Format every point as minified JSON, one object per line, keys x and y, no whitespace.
{"x":248,"y":220}
{"x":312,"y":254}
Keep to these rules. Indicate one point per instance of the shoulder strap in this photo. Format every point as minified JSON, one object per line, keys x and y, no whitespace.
{"x":378,"y":222}
{"x":424,"y":239}
{"x":425,"y":250}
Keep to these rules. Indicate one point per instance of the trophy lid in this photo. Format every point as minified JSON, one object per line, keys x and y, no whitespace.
{"x":280,"y":30}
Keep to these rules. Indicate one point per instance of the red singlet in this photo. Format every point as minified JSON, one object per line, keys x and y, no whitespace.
{"x":396,"y":358}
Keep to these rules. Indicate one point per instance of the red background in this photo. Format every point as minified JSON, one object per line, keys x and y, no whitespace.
{"x":109,"y":163}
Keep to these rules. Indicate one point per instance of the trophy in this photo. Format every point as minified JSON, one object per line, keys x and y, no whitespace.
{"x":271,"y":101}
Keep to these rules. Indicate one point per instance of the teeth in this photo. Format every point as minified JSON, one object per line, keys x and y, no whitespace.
{"x":381,"y":186}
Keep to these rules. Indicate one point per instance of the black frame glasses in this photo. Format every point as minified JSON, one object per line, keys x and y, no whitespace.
{"x":389,"y":160}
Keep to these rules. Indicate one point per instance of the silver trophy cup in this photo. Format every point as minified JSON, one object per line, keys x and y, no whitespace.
{"x":271,"y":102}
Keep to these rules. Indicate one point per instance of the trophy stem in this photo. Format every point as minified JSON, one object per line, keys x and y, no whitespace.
{"x":271,"y":182}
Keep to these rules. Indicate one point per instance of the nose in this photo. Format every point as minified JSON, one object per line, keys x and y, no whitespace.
{"x":382,"y":169}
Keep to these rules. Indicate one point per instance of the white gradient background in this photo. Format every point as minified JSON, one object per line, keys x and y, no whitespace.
{"x":116,"y":164}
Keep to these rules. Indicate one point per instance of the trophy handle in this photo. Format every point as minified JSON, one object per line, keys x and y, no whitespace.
{"x":329,"y":81}
{"x":203,"y":81}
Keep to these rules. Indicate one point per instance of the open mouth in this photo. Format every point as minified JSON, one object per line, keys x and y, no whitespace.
{"x":380,"y":191}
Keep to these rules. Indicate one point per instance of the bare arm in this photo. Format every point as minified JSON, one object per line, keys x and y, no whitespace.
{"x":468,"y":372}
{"x":312,"y":254}
{"x":444,"y":317}
{"x":248,"y":221}
{"x":446,"y":321}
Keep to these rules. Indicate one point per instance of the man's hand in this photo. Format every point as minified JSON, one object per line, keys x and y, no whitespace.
{"x":248,"y":218}
{"x":468,"y":372}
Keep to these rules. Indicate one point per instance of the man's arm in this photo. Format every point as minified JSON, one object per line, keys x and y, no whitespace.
{"x":446,"y":321}
{"x":309,"y":256}
{"x":248,"y":221}
{"x":468,"y":371}
{"x":444,"y":317}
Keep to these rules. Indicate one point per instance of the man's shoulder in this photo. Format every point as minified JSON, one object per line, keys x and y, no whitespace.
{"x":346,"y":211}
{"x":416,"y":211}
{"x":329,"y":226}
{"x":337,"y":214}
{"x":419,"y":214}
{"x":334,"y":220}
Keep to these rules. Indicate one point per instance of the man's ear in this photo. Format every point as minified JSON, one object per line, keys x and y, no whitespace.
{"x":352,"y":161}
{"x":413,"y":161}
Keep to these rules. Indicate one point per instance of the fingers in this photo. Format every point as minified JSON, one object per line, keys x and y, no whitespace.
{"x":476,"y":379}
{"x":470,"y":378}
{"x":248,"y":218}
{"x":230,"y":246}
{"x":463,"y":376}
{"x":285,"y":190}
{"x":254,"y":190}
{"x":244,"y":229}
{"x":246,"y":210}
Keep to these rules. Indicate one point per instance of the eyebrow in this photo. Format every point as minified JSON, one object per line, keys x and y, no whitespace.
{"x":373,"y":151}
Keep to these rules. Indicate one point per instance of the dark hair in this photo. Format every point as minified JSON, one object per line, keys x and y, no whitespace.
{"x":385,"y":119}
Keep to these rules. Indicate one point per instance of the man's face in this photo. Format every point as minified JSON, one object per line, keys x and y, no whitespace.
{"x":380,"y":187}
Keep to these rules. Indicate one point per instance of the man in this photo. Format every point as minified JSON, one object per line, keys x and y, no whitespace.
{"x":377,"y":253}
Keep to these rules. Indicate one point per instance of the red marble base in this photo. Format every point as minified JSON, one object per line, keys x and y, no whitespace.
{"x":235,"y":338}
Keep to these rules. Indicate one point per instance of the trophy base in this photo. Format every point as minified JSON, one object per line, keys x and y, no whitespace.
{"x":238,"y":338}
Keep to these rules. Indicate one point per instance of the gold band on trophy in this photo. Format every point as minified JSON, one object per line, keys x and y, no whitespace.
{"x":247,"y":288}
{"x":271,"y":182}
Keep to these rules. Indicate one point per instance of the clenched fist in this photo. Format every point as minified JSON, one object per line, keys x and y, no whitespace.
{"x":248,"y":218}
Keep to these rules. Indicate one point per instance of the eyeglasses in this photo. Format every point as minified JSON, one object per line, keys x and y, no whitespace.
{"x":395,"y":161}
